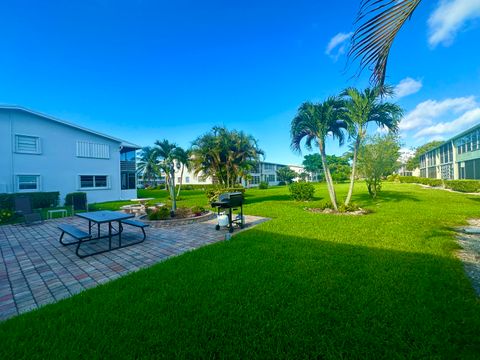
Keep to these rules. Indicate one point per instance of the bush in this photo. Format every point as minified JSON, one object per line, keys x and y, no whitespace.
{"x":197,"y":210}
{"x":263,"y":185}
{"x":302,"y":191}
{"x":212,"y":193}
{"x":162,"y":213}
{"x":69,"y":197}
{"x":393,"y":178}
{"x":6,"y":215}
{"x":282,"y":183}
{"x":420,"y":180}
{"x":463,"y":185}
{"x":39,"y":199}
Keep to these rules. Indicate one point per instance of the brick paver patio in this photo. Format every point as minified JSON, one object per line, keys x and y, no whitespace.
{"x":36,"y":270}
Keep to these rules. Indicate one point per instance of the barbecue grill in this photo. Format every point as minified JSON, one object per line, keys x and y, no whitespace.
{"x":230,"y":201}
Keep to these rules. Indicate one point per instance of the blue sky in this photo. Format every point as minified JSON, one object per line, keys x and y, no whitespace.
{"x":147,"y":70}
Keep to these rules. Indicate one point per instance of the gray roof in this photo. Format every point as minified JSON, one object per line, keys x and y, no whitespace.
{"x":20,"y":108}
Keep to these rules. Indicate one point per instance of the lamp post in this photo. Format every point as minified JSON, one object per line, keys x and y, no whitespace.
{"x":172,"y":187}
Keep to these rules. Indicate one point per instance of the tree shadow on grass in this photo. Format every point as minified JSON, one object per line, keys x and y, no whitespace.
{"x":386,"y":196}
{"x":252,"y":199}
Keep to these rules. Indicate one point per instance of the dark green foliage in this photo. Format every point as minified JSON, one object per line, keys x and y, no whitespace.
{"x":161,"y":213}
{"x":6,"y":215}
{"x":423,"y":181}
{"x":302,"y":191}
{"x":69,"y":197}
{"x":263,"y":185}
{"x":282,"y":183}
{"x":286,"y":174}
{"x":463,"y":185}
{"x":39,"y":199}
{"x":213,"y":192}
{"x":393,"y":178}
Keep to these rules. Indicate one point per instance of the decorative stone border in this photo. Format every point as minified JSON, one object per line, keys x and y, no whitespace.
{"x":177,"y":222}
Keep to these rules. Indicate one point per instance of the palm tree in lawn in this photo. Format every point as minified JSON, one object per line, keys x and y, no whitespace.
{"x":166,"y":153}
{"x":362,"y":108}
{"x":183,"y":158}
{"x":147,"y":165}
{"x":314,"y":122}
{"x":379,"y":22}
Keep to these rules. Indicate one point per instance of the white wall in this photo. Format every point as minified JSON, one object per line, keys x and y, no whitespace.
{"x":58,"y":166}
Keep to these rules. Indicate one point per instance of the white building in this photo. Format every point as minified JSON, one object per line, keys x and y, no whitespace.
{"x":42,"y":153}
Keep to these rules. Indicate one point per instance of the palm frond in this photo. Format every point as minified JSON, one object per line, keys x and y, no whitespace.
{"x":379,"y":21}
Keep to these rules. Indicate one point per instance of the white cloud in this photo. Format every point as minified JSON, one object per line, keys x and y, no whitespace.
{"x":449,"y":18}
{"x":426,"y":112}
{"x":407,"y":87}
{"x":339,"y":44}
{"x":460,"y":124}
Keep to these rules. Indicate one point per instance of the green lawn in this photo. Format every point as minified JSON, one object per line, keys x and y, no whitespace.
{"x":303,"y":285}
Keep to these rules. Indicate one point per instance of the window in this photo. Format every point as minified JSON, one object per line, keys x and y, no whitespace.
{"x":28,"y":182}
{"x":93,"y":150}
{"x":27,"y":144}
{"x":271,"y":178}
{"x":128,"y":180}
{"x":94,"y":182}
{"x":128,"y":156}
{"x":187,"y":179}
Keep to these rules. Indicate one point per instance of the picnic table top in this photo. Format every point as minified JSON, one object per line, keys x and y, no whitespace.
{"x":104,"y":216}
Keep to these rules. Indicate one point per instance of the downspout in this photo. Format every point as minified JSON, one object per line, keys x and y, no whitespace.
{"x":12,"y":157}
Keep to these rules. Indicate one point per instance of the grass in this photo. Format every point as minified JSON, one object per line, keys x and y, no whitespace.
{"x":303,"y":285}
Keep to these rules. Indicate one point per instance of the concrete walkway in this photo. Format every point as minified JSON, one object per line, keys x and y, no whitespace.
{"x":36,"y":270}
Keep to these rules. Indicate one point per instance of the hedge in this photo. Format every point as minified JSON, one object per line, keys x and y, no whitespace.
{"x":69,"y":197}
{"x":420,"y":180}
{"x":463,"y":185}
{"x":39,"y":199}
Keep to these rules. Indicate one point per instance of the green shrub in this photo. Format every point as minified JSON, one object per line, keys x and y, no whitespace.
{"x":39,"y":199}
{"x":69,"y":197}
{"x":302,"y":191}
{"x":197,"y":210}
{"x":393,"y":178}
{"x":420,"y":180}
{"x":161,"y":213}
{"x":463,"y":185}
{"x":212,"y":193}
{"x":282,"y":183}
{"x":6,"y":215}
{"x":263,"y":185}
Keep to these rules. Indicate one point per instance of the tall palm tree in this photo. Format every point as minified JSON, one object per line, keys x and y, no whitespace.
{"x":314,"y":122}
{"x":379,"y":21}
{"x":183,"y":158}
{"x":362,"y":108}
{"x":147,"y":165}
{"x":165,"y":152}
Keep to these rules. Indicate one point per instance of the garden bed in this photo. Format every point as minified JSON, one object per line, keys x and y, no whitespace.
{"x":177,"y":221}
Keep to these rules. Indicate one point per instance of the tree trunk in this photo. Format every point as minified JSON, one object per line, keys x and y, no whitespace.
{"x":354,"y":167}
{"x":181,"y":180}
{"x":328,"y":176}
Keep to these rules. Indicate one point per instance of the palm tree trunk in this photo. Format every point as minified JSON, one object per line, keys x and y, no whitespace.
{"x":328,"y":177}
{"x":181,"y":181}
{"x":354,"y":168}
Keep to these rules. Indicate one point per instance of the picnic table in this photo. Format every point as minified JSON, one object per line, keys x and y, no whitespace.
{"x":98,"y":218}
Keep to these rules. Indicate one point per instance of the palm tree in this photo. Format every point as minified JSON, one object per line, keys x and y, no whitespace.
{"x":147,"y":165}
{"x":165,"y":151}
{"x":362,"y":108}
{"x":224,"y":155}
{"x":183,"y":158}
{"x":379,"y":21}
{"x":314,"y":122}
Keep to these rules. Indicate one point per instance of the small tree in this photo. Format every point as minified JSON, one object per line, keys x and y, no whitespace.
{"x":377,"y":158}
{"x":313,"y":164}
{"x":286,"y":174}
